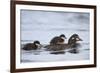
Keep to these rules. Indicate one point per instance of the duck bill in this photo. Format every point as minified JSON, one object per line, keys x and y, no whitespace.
{"x":79,"y":39}
{"x":65,"y":38}
{"x":40,"y":45}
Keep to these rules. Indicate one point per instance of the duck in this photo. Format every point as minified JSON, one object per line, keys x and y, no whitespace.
{"x":32,"y":46}
{"x":72,"y":43}
{"x":58,"y":40}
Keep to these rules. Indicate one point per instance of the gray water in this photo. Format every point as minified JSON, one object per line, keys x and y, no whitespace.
{"x":44,"y":25}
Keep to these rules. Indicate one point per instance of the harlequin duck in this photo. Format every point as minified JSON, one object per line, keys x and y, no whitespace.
{"x":72,"y":43}
{"x":58,"y":40}
{"x":32,"y":46}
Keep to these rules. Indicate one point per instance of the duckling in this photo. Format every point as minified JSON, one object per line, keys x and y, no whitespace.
{"x":32,"y":46}
{"x":58,"y":40}
{"x":72,"y":43}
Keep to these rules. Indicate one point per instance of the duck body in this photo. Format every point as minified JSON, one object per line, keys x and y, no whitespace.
{"x":72,"y":43}
{"x":56,"y":47}
{"x":58,"y":40}
{"x":32,"y":46}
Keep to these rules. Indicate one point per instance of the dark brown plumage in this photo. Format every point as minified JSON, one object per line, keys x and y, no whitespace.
{"x":32,"y":46}
{"x":72,"y":43}
{"x":58,"y":40}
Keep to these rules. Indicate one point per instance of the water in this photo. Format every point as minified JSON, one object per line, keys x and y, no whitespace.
{"x":44,"y":25}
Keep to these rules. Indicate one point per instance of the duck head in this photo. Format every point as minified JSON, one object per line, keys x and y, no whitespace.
{"x":37,"y":44}
{"x":63,"y":36}
{"x":73,"y":39}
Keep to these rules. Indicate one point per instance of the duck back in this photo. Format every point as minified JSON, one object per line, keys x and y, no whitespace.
{"x":29,"y":46}
{"x":56,"y":40}
{"x":57,"y":47}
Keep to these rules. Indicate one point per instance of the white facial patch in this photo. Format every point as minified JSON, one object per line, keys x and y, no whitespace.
{"x":37,"y":44}
{"x":63,"y":38}
{"x":77,"y":39}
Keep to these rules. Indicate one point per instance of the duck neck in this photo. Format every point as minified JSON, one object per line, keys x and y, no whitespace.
{"x":35,"y":45}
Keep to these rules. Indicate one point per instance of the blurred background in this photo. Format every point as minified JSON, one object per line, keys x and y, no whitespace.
{"x":44,"y":25}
